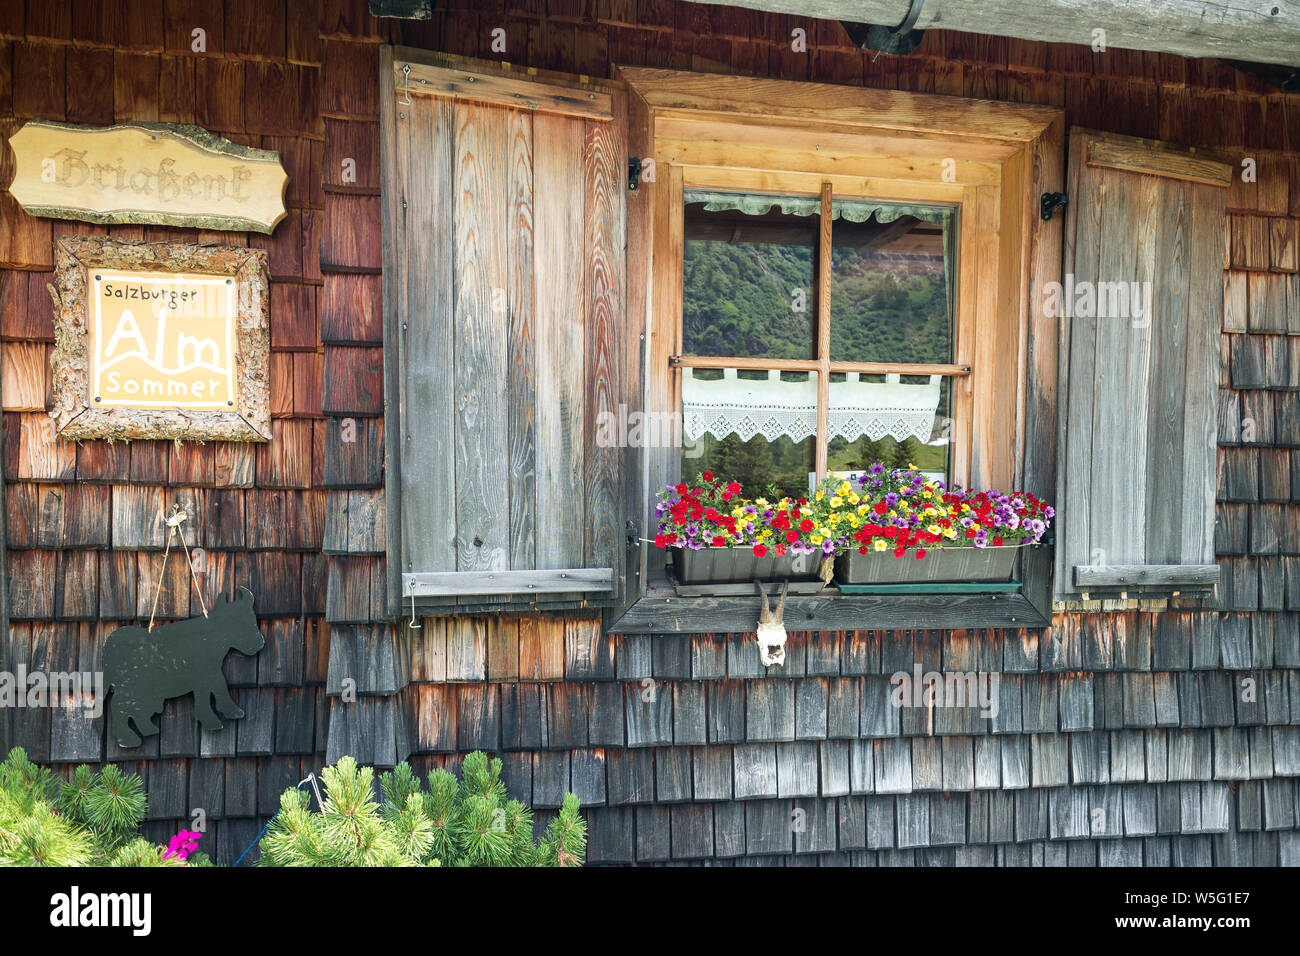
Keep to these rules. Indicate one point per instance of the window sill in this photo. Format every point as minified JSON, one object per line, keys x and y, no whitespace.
{"x":661,"y":610}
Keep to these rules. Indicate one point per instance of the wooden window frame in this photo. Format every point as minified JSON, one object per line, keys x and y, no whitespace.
{"x":991,"y":160}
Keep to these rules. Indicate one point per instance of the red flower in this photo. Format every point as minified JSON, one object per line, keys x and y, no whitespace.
{"x":806,"y":525}
{"x":733,"y":488}
{"x":719,"y":541}
{"x":661,"y":540}
{"x":881,"y":507}
{"x":672,"y":537}
{"x":997,"y":542}
{"x":681,"y":489}
{"x":760,"y":550}
{"x":780,"y":549}
{"x":792,"y":535}
{"x":899,"y":552}
{"x":708,"y":476}
{"x":711,"y":514}
{"x":862,"y":550}
{"x":920,"y":552}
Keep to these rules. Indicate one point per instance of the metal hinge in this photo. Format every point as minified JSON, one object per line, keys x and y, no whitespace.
{"x":633,"y":173}
{"x":1048,"y":203}
{"x":633,"y":532}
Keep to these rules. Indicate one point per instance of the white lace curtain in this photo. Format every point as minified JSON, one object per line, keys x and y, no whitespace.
{"x":772,"y":407}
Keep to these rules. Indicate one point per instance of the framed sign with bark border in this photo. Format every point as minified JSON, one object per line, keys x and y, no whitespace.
{"x":160,"y":340}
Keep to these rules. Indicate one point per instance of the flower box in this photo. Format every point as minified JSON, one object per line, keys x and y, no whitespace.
{"x":939,"y":566}
{"x":741,"y":566}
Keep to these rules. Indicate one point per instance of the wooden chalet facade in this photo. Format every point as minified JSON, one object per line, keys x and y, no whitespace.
{"x":462,"y":288}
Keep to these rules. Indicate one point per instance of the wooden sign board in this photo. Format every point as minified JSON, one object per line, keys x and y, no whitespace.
{"x":161,"y":340}
{"x":158,"y":340}
{"x":146,"y":173}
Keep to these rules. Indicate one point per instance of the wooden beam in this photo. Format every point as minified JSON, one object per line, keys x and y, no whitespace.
{"x":558,"y":581}
{"x":1260,"y":33}
{"x":812,"y":365}
{"x":845,"y":107}
{"x":500,"y":90}
{"x":662,"y":612}
{"x":1133,"y":575}
{"x":1134,"y":155}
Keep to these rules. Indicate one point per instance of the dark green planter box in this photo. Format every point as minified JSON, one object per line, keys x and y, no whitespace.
{"x":950,"y":565}
{"x":741,"y":566}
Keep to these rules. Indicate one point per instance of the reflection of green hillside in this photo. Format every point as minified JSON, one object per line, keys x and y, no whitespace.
{"x":881,"y":313}
{"x":737,"y":300}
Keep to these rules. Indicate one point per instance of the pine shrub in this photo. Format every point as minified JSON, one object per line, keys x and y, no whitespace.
{"x":465,"y":821}
{"x":90,"y":820}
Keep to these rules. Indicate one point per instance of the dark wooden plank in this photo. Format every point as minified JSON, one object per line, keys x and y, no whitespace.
{"x":561,"y":297}
{"x":1121,"y":575}
{"x":520,"y":368}
{"x":605,"y":237}
{"x":481,"y":448}
{"x":351,"y":308}
{"x":418,"y":305}
{"x":656,"y":614}
{"x":1083,"y":230}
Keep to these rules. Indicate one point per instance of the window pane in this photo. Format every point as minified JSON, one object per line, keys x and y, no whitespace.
{"x":891,"y":284}
{"x":883,"y":418}
{"x":756,"y":428}
{"x":748,"y":275}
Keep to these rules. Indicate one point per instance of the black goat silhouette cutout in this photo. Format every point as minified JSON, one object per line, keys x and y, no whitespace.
{"x":144,"y":669}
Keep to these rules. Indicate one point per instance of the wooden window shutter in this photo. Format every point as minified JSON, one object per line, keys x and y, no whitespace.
{"x":1136,"y":481}
{"x":504,"y":225}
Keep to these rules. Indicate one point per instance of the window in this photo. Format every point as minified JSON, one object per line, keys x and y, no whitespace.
{"x":817,"y":336}
{"x":838,"y":274}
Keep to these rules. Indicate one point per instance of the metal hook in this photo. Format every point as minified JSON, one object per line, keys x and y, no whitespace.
{"x":406,"y":85}
{"x":412,"y":624}
{"x":311,"y":778}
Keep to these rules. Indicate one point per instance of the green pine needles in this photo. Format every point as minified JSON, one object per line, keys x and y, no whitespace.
{"x":470,"y":821}
{"x":90,"y":820}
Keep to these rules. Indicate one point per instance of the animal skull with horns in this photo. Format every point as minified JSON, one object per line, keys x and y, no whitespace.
{"x":771,"y":634}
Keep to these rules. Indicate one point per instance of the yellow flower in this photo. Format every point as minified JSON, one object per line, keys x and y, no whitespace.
{"x":846,"y":488}
{"x":934,"y":529}
{"x":880,"y":544}
{"x":854,"y":499}
{"x":836,"y":502}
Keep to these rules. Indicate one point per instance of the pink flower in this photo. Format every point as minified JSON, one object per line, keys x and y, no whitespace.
{"x":183,"y":844}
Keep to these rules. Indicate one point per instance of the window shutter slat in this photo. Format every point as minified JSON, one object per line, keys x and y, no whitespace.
{"x":418,"y":273}
{"x":561,"y":293}
{"x":504,"y":302}
{"x":1142,"y":299}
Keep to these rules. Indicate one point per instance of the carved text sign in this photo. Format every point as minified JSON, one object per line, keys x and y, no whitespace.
{"x":162,"y":341}
{"x":146,"y":173}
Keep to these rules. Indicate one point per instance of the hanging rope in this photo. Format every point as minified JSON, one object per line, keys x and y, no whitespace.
{"x":310,"y":778}
{"x":174,"y":522}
